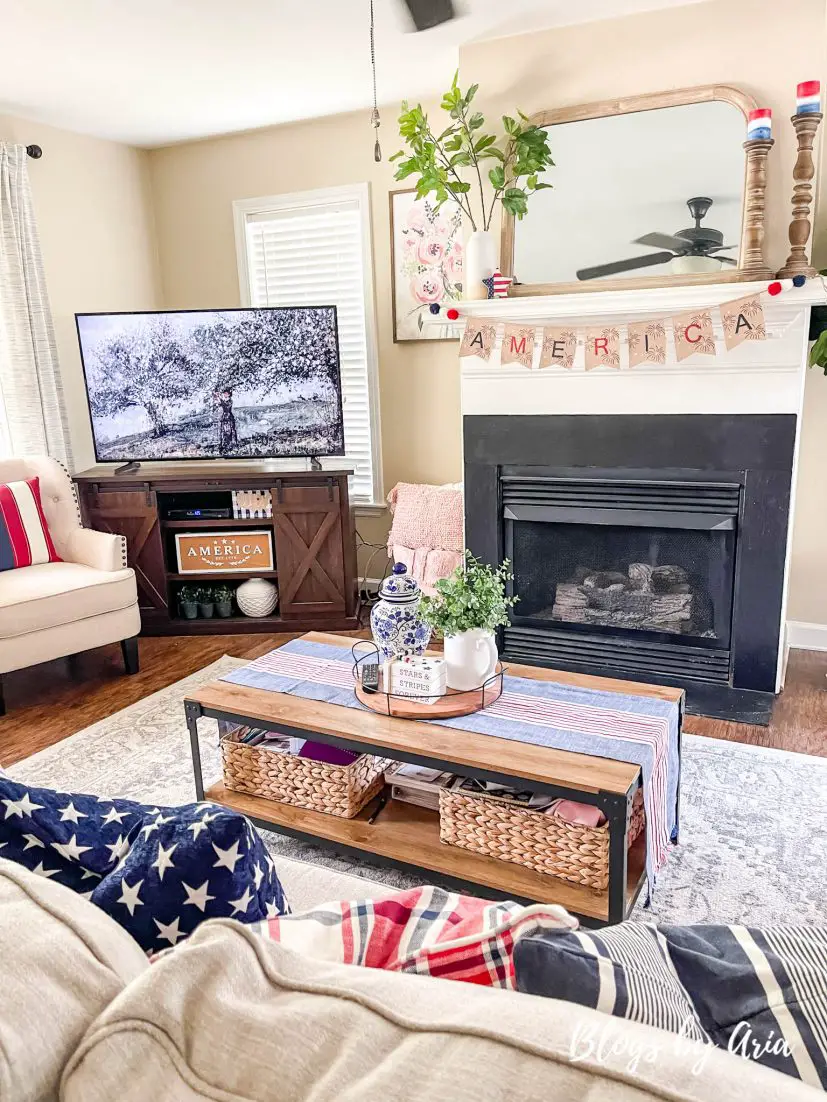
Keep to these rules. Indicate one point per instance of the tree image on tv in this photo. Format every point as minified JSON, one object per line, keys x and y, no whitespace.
{"x":231,"y":383}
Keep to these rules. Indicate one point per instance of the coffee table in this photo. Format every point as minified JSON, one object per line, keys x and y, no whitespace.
{"x":406,"y":836}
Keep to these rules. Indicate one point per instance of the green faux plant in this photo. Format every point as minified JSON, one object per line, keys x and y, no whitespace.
{"x":818,"y":333}
{"x":223,"y":593}
{"x":437,"y":161}
{"x":474,"y":596}
{"x":188,"y":594}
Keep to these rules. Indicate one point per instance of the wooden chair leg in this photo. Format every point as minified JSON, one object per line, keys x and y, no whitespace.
{"x":129,"y":648}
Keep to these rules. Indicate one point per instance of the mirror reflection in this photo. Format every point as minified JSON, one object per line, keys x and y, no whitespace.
{"x":645,"y":194}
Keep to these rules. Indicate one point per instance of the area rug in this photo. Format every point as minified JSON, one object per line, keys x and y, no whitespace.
{"x":753,"y":843}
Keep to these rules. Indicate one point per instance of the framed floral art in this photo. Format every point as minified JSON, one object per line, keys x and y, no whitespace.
{"x":427,"y":266}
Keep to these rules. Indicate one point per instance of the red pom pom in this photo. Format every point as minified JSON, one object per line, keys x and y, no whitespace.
{"x":452,"y":314}
{"x":774,"y":288}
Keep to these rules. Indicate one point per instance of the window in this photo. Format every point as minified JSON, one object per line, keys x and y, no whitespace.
{"x":314,"y":249}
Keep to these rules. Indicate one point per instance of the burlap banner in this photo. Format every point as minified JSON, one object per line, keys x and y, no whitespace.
{"x":743,"y":320}
{"x":647,"y":342}
{"x":479,"y":338}
{"x":602,"y":348}
{"x":693,"y":333}
{"x":518,"y":345}
{"x":559,"y":347}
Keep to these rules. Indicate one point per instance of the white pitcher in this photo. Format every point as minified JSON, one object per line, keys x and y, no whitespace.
{"x":470,"y":658}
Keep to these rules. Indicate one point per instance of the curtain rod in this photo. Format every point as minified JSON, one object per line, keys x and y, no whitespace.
{"x":34,"y":151}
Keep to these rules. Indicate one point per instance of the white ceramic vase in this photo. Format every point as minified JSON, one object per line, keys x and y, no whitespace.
{"x":257,"y":597}
{"x":480,"y":263}
{"x":470,"y":658}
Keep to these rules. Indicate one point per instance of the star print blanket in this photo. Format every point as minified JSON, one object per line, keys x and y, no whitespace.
{"x":158,"y":871}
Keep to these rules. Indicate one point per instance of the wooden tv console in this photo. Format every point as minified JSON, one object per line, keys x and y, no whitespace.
{"x":314,"y":540}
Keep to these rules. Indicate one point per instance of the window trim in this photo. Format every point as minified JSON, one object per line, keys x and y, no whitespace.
{"x":242,"y":209}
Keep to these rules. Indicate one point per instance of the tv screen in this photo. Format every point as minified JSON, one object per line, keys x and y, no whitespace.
{"x":210,"y":384}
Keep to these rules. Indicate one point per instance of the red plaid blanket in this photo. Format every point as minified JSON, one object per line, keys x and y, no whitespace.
{"x":427,"y":931}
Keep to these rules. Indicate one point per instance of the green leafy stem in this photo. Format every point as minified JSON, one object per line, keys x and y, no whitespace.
{"x":522,"y":154}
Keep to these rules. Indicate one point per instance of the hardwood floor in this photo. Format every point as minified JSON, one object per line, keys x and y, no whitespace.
{"x":49,"y":702}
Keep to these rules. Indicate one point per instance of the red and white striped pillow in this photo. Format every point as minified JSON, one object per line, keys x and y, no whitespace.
{"x":24,"y":533}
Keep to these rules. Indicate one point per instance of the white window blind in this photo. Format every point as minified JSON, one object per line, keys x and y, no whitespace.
{"x":313,"y":250}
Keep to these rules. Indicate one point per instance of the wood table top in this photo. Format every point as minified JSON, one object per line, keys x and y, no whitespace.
{"x":540,"y":764}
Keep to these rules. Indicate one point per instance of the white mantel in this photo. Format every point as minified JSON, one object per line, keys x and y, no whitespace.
{"x":757,"y":377}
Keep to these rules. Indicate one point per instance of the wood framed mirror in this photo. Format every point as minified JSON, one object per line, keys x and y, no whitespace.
{"x":651,"y":190}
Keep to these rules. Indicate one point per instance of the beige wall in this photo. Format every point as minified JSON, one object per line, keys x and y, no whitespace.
{"x":103,"y":208}
{"x":92,"y":204}
{"x":193,"y":187}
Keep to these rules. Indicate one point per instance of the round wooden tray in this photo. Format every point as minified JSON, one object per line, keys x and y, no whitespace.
{"x":454,"y":703}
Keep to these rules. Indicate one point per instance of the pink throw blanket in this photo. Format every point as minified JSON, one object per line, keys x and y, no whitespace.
{"x":427,"y":531}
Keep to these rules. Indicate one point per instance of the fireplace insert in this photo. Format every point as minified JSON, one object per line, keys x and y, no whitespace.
{"x":647,"y":547}
{"x":614,"y":569}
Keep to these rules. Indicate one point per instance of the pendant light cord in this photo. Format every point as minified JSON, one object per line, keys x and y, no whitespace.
{"x":374,"y":117}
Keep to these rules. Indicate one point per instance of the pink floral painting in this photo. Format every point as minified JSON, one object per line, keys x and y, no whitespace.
{"x":427,"y":266}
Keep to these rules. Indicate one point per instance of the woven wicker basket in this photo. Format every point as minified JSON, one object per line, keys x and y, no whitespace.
{"x":501,"y":828}
{"x":335,"y":789}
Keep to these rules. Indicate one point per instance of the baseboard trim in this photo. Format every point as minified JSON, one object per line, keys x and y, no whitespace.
{"x":804,"y":636}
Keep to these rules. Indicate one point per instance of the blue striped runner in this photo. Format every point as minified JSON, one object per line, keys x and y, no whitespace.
{"x":638,"y":729}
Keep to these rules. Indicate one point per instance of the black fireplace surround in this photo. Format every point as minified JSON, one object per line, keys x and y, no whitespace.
{"x":646,"y":547}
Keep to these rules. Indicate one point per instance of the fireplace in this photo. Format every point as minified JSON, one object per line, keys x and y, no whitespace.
{"x":612,"y":569}
{"x":670,"y":572}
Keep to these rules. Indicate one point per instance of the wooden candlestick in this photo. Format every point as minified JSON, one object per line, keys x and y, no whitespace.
{"x":752,"y":263}
{"x":798,"y":262}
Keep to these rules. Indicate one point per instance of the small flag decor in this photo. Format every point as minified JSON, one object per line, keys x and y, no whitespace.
{"x":497,"y":285}
{"x":478,"y":339}
{"x":602,"y":348}
{"x":559,"y":347}
{"x":743,"y":320}
{"x":693,"y":334}
{"x":518,"y":345}
{"x":647,"y":342}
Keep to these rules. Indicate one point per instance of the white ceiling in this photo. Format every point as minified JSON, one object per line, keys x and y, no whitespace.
{"x":149,"y":72}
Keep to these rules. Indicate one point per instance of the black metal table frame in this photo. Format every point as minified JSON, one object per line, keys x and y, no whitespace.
{"x":615,"y":806}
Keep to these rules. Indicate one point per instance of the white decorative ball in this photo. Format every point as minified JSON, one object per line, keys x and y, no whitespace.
{"x":257,"y":597}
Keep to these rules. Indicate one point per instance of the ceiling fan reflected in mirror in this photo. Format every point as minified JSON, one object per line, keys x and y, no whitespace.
{"x":691,"y":250}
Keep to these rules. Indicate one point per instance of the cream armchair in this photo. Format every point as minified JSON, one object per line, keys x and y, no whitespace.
{"x":60,"y":608}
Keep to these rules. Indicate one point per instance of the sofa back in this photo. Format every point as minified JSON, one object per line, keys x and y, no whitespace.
{"x":231,"y":1015}
{"x":62,"y":962}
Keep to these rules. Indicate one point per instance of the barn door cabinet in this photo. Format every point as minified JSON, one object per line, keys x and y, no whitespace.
{"x":311,"y":529}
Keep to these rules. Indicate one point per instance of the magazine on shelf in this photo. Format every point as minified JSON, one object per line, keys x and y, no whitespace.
{"x":416,"y":784}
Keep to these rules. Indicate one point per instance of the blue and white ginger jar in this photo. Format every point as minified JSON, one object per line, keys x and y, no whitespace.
{"x":394,"y":619}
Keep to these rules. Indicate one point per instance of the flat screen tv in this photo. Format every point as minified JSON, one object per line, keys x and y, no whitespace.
{"x":213,"y":384}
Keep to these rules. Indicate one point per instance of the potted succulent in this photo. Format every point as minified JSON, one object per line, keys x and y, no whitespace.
{"x":188,"y":601}
{"x":440,"y":163}
{"x":206,"y":605}
{"x":467,"y":609}
{"x":223,"y":597}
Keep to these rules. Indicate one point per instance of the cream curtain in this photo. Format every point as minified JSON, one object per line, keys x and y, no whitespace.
{"x":32,"y":416}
